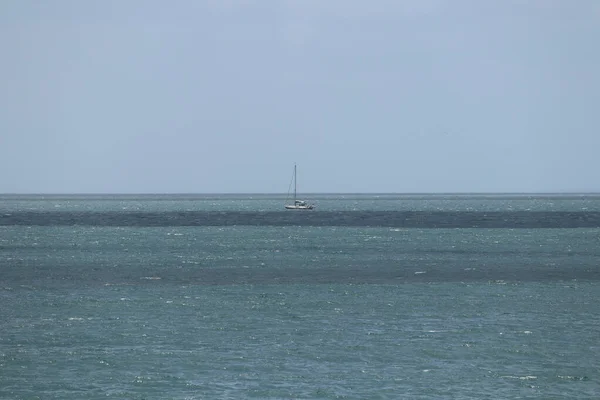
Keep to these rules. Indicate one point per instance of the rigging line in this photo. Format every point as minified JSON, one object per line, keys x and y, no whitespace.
{"x":290,"y":188}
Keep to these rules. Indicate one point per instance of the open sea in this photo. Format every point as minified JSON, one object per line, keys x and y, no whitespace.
{"x":365,"y":297}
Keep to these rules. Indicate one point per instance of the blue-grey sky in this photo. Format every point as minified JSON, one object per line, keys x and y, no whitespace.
{"x":366,"y":96}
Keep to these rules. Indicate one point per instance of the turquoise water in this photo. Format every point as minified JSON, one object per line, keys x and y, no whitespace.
{"x":279,"y":312}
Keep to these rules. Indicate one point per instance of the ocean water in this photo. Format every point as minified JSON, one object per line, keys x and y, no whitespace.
{"x":366,"y":297}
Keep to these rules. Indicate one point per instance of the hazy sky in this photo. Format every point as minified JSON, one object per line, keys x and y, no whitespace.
{"x":196,"y":96}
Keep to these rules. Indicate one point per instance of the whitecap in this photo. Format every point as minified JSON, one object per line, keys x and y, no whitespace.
{"x":523,"y":378}
{"x":573,"y":378}
{"x":151,"y":277}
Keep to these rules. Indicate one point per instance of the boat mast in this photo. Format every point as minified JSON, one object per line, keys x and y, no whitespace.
{"x":295,"y":183}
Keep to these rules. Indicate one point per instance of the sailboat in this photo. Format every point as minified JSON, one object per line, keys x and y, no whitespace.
{"x":298,"y":204}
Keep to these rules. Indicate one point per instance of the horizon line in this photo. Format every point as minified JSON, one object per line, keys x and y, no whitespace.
{"x":284,"y":194}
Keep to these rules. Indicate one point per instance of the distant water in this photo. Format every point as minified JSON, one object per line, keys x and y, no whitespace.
{"x":366,"y":297}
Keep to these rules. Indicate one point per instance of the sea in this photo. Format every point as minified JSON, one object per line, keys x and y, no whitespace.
{"x":384,"y":296}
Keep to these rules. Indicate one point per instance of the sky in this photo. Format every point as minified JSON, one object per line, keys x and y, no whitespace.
{"x":224,"y":96}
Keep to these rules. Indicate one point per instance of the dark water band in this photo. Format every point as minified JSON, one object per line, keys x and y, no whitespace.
{"x":395,"y":219}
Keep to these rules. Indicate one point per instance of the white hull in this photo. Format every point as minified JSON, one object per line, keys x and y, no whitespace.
{"x":310,"y":207}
